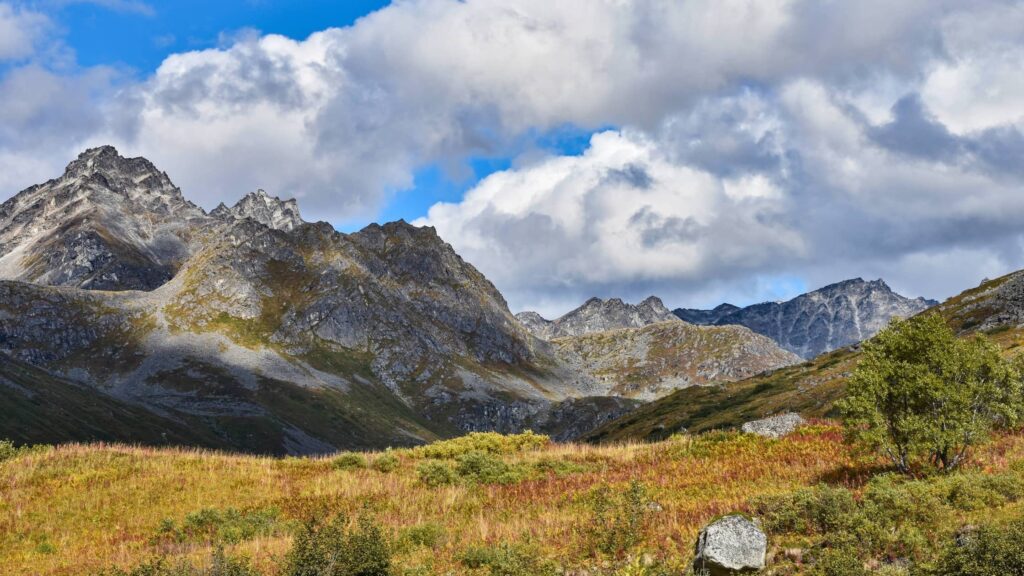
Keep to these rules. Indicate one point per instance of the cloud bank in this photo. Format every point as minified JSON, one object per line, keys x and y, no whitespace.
{"x":751,"y":140}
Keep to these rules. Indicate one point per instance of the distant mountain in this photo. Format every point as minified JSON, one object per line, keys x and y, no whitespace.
{"x":705,"y":317}
{"x":995,"y":308}
{"x":820,"y":321}
{"x":649,"y":362}
{"x":643,"y":351}
{"x":597,"y":315}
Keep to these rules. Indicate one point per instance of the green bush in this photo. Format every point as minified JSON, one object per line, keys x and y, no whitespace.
{"x":489,"y":442}
{"x":386,"y":463}
{"x":229,"y":526}
{"x":618,"y":521}
{"x":508,"y":560}
{"x":483,"y":468}
{"x":7,"y":450}
{"x":840,"y":562}
{"x":818,"y":510}
{"x":349,"y":461}
{"x":428,"y":535}
{"x":989,"y":551}
{"x":435,"y":473}
{"x":331,"y":548}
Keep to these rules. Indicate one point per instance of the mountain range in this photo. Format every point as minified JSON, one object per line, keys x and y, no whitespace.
{"x":811,"y":324}
{"x":247,"y":328}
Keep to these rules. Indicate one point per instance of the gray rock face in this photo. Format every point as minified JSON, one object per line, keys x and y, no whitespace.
{"x":597,"y":315}
{"x":731,"y":545}
{"x":774,"y":426}
{"x":821,"y":321}
{"x":993,"y":304}
{"x":268,"y":210}
{"x":109,"y":223}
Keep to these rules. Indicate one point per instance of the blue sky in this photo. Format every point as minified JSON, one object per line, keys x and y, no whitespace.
{"x":149,"y":31}
{"x":140,"y":34}
{"x":703,"y":151}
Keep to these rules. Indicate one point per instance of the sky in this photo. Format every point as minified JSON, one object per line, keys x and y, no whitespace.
{"x":700,"y":150}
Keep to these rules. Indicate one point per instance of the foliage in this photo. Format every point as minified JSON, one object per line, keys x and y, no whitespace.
{"x":987,"y":551}
{"x":349,"y":461}
{"x":473,"y":467}
{"x":429,"y":535}
{"x":921,"y":394}
{"x":489,"y":442}
{"x":386,"y":463}
{"x":220,"y":565}
{"x":840,"y":562}
{"x":332,"y":548}
{"x":229,"y":526}
{"x":618,"y":521}
{"x":509,"y":560}
{"x":436,"y":473}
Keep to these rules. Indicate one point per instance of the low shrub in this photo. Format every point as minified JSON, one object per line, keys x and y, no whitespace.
{"x":484,"y":468}
{"x":333,"y":548}
{"x":436,"y":473}
{"x":618,"y":521}
{"x":509,"y":560}
{"x":228,"y":526}
{"x":489,"y":442}
{"x":987,"y":551}
{"x":428,"y":535}
{"x":839,"y":562}
{"x":386,"y":463}
{"x":349,"y":461}
{"x":220,"y":565}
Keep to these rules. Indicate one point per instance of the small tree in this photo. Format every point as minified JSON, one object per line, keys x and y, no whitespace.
{"x":921,"y":393}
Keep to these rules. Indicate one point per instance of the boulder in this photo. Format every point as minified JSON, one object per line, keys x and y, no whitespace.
{"x":731,"y":545}
{"x":775,"y":426}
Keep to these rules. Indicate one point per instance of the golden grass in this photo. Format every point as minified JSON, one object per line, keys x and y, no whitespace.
{"x":75,"y":509}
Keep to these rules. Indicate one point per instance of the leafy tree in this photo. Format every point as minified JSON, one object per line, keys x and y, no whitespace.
{"x":920,"y":393}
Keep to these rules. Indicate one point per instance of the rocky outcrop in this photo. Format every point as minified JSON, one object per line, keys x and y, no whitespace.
{"x":824,"y":320}
{"x":774,"y":426}
{"x":108,"y":223}
{"x":731,"y":545}
{"x":268,"y":210}
{"x":650,"y":362}
{"x":597,"y":315}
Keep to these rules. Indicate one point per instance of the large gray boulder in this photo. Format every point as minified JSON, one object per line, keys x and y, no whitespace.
{"x":775,"y":426}
{"x":731,"y":545}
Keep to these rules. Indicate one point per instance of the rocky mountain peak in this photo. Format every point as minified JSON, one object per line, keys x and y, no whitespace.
{"x":268,"y":210}
{"x":108,"y":223}
{"x":597,"y":315}
{"x":831,"y":317}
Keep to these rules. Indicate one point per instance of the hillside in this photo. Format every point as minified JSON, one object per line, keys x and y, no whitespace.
{"x":650,"y":362}
{"x":996,"y":308}
{"x":75,"y":510}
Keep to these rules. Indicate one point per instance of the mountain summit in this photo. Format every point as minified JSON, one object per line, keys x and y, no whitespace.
{"x":267,"y":210}
{"x":108,"y":223}
{"x":597,"y":315}
{"x":820,"y":321}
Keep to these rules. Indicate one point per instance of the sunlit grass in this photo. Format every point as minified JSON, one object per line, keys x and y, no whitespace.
{"x":74,"y":509}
